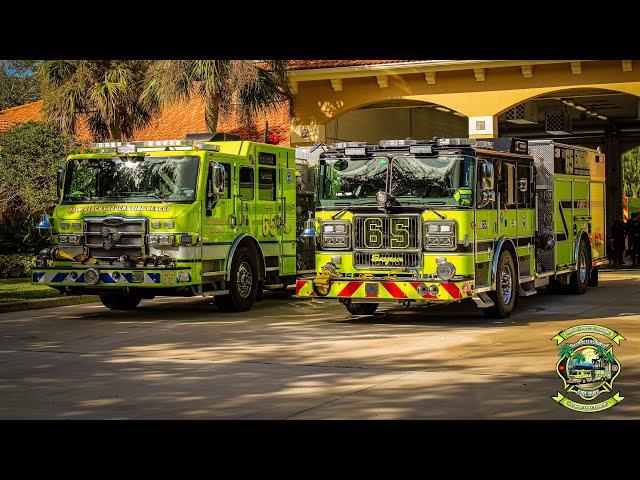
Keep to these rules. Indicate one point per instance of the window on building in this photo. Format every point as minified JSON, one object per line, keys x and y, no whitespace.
{"x":266,"y":184}
{"x":246,"y":182}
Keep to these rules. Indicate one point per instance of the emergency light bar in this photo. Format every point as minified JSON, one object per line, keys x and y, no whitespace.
{"x":397,"y":143}
{"x":130,"y":148}
{"x":350,"y":144}
{"x":355,"y":151}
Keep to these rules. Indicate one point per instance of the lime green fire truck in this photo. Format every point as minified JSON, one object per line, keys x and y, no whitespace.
{"x":210,"y":215}
{"x":425,"y":222}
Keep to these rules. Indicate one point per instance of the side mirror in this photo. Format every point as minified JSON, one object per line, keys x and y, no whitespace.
{"x":59,"y":181}
{"x":217,"y":180}
{"x":486,"y":176}
{"x":215,"y":185}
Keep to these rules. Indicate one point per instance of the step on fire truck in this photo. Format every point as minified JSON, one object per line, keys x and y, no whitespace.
{"x":440,"y":221}
{"x":210,"y":215}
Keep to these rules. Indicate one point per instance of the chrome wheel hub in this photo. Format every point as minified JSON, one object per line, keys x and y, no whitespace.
{"x":582,"y":267}
{"x":244,"y":280}
{"x":506,"y":284}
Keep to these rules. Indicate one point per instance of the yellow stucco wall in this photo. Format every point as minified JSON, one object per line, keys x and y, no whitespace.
{"x":317,"y":103}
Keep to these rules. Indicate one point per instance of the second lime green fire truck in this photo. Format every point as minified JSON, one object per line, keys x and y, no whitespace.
{"x":440,"y":221}
{"x":205,"y":216}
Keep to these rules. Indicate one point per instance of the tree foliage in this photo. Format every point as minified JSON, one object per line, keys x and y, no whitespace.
{"x":18,"y":84}
{"x":631,"y":172}
{"x":242,"y":86}
{"x":105,"y":92}
{"x":30,"y":154}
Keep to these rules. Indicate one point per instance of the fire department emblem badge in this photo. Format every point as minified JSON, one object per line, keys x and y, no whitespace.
{"x":588,"y":368}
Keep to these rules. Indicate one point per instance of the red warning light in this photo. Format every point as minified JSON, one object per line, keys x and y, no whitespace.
{"x":273,"y":138}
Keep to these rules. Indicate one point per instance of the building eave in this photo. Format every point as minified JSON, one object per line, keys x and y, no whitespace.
{"x":405,"y":68}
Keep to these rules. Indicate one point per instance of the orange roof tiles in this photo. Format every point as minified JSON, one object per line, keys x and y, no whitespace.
{"x":309,"y":64}
{"x":188,"y":117}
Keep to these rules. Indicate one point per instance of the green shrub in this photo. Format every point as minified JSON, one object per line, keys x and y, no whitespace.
{"x":30,"y":154}
{"x":20,"y":235}
{"x":16,"y":266}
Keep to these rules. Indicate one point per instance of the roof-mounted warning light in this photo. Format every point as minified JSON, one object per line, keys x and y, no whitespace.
{"x":131,"y":148}
{"x":397,"y":143}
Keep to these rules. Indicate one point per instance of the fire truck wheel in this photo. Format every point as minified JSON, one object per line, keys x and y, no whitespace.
{"x":504,"y":297}
{"x":243,"y":285}
{"x":120,"y":300}
{"x":361,"y":308}
{"x":580,"y":278}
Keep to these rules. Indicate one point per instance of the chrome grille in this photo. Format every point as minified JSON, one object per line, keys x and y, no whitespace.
{"x":386,"y":260}
{"x":113,"y":237}
{"x":387,"y":232}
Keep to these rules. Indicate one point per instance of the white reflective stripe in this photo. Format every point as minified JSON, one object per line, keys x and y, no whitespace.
{"x":215,"y":251}
{"x":181,"y":252}
{"x":270,"y":249}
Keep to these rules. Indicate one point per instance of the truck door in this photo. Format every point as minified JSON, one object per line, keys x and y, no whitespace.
{"x":268,"y":206}
{"x":287,"y":196}
{"x":508,"y":200}
{"x":215,"y":224}
{"x":563,"y":220}
{"x":526,"y":218}
{"x":485,"y":227}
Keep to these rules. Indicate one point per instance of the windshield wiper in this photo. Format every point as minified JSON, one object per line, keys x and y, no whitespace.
{"x":434,"y":211}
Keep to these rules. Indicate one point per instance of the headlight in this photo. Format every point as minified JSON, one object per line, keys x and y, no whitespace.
{"x":161,"y":239}
{"x":73,"y":239}
{"x":440,"y":235}
{"x":335,"y":235}
{"x":446,"y":271}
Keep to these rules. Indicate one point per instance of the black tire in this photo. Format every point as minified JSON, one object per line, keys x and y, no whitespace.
{"x":506,"y":282}
{"x":580,"y":278}
{"x":593,"y":277}
{"x":361,"y":308}
{"x":243,"y":286}
{"x":120,"y":300}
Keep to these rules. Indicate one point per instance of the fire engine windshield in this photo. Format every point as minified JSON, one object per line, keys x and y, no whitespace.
{"x":132,"y":179}
{"x":353,"y":180}
{"x":441,"y":180}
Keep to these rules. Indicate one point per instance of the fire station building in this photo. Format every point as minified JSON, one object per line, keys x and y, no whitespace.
{"x":593,"y":103}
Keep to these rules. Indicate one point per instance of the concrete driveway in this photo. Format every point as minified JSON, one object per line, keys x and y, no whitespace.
{"x":292,"y":359}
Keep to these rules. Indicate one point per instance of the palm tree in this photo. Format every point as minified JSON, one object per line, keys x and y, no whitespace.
{"x":105,"y":92}
{"x":244,"y":86}
{"x":577,"y":358}
{"x":631,"y":172}
{"x":601,"y":352}
{"x":565,"y":351}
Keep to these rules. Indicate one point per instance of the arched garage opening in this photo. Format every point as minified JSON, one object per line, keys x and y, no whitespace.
{"x":591,"y":117}
{"x":396,"y":119}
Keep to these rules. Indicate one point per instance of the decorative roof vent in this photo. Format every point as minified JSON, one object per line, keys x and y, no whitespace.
{"x":522,"y":114}
{"x":558,"y":123}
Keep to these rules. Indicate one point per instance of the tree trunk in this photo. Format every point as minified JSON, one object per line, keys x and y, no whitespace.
{"x":115,"y":132}
{"x":211,"y":110}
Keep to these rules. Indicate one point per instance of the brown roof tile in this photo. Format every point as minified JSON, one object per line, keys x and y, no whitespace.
{"x":310,"y":64}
